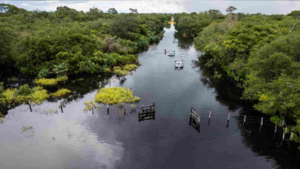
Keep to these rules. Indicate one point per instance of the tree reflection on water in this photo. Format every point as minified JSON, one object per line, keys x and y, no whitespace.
{"x":263,"y":143}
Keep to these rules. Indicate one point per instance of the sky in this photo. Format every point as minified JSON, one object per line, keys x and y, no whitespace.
{"x":163,"y":6}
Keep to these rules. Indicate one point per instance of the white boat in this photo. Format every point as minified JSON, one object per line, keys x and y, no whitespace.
{"x":178,"y":63}
{"x":171,"y":53}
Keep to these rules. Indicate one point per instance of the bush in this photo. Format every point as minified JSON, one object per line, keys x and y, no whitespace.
{"x":61,"y":93}
{"x":130,"y":67}
{"x":43,"y":73}
{"x":46,"y":82}
{"x":116,"y":95}
{"x":118,"y":71}
{"x":24,"y":90}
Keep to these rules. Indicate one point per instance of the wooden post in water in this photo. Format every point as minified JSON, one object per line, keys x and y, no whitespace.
{"x":244,"y":118}
{"x":125,"y":110}
{"x":92,"y":108}
{"x":228,"y":120}
{"x":29,"y":106}
{"x":107,"y":106}
{"x":209,"y":117}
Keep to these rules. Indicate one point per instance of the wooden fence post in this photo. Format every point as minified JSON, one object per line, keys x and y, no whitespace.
{"x":209,"y":117}
{"x":29,"y":106}
{"x":107,"y":106}
{"x":228,"y":118}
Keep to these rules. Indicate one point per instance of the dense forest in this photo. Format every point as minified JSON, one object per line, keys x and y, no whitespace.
{"x":50,"y":46}
{"x":259,"y":53}
{"x":70,"y":42}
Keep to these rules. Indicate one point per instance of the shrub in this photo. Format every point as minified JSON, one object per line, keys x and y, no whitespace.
{"x":118,"y":71}
{"x":50,"y":82}
{"x":62,"y":78}
{"x":43,"y":73}
{"x":61,"y":93}
{"x":46,"y":82}
{"x":39,"y":95}
{"x":130,"y":67}
{"x":116,"y":95}
{"x":24,"y":90}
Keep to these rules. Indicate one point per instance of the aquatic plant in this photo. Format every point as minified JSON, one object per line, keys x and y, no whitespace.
{"x":39,"y":95}
{"x":62,"y":78}
{"x":45,"y":82}
{"x":116,"y":95}
{"x":61,"y":93}
{"x":50,"y":82}
{"x":49,"y":111}
{"x":27,"y":128}
{"x":130,"y":67}
{"x":90,"y":105}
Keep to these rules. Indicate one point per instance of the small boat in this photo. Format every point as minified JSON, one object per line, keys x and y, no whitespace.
{"x":178,"y":63}
{"x":171,"y":53}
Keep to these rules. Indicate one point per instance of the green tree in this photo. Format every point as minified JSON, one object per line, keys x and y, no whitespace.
{"x":133,"y":11}
{"x":112,"y":11}
{"x":230,"y":9}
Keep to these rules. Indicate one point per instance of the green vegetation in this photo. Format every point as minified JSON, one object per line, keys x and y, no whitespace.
{"x":61,"y":93}
{"x":130,"y":67}
{"x":67,"y":41}
{"x":118,"y":71}
{"x":116,"y":95}
{"x":50,"y":82}
{"x":90,"y":105}
{"x":260,"y":53}
{"x":23,"y":95}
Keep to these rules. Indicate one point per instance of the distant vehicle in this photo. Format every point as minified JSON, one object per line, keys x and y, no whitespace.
{"x":179,"y":63}
{"x":171,"y":53}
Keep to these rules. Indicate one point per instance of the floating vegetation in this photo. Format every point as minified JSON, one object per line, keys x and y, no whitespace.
{"x":50,"y":82}
{"x":45,"y":82}
{"x":116,"y":95}
{"x":133,"y":105}
{"x":26,"y":129}
{"x":90,"y":105}
{"x":130,"y":67}
{"x":118,"y":71}
{"x":49,"y":111}
{"x":23,"y":95}
{"x":39,"y":95}
{"x":61,"y":93}
{"x":62,"y":78}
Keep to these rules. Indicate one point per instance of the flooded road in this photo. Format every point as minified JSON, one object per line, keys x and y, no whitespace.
{"x":47,"y":138}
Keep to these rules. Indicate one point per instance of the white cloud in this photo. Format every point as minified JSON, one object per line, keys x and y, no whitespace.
{"x":166,"y":6}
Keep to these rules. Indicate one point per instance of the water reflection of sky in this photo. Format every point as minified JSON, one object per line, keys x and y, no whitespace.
{"x":59,"y":140}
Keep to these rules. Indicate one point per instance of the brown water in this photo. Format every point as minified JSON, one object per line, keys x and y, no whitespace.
{"x":74,"y":139}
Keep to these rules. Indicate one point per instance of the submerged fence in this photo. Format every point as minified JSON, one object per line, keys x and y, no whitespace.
{"x":195,"y":121}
